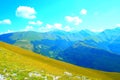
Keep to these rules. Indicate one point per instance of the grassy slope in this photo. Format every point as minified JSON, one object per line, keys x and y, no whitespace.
{"x":15,"y":59}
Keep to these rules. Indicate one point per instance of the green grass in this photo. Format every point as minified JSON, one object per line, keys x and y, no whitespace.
{"x":24,"y":44}
{"x":19,"y":64}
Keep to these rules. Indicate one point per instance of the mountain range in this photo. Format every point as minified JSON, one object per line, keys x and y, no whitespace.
{"x":98,"y":51}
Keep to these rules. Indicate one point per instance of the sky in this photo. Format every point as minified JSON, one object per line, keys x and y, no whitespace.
{"x":67,"y":15}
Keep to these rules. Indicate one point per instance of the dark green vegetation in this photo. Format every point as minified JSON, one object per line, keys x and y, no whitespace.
{"x":88,"y":49}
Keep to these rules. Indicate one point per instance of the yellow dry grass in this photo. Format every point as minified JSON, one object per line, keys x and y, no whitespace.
{"x":17,"y":58}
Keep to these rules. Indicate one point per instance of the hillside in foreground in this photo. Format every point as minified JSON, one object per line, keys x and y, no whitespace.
{"x":19,"y":64}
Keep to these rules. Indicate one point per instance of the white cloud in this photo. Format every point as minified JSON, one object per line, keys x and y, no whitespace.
{"x":8,"y":31}
{"x":67,"y":28}
{"x":69,"y":18}
{"x":76,"y":20}
{"x":118,"y":25}
{"x":26,"y":12}
{"x":48,"y":26}
{"x":5,"y":21}
{"x":28,"y":28}
{"x":58,"y":26}
{"x":96,"y":30}
{"x":43,"y":29}
{"x":83,"y":12}
{"x":54,"y":26}
{"x":35,"y":22}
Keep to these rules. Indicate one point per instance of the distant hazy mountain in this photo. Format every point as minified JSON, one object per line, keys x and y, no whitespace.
{"x":108,"y":40}
{"x":113,"y":39}
{"x":114,"y":46}
{"x":84,"y":55}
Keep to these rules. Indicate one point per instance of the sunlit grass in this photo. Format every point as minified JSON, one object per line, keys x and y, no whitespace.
{"x":19,"y":64}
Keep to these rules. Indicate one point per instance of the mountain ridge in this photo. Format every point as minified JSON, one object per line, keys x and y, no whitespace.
{"x":51,"y":44}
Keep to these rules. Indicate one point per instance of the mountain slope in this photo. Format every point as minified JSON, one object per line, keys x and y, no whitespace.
{"x":17,"y":63}
{"x":108,"y":39}
{"x":84,"y":55}
{"x":48,"y":43}
{"x":44,"y":43}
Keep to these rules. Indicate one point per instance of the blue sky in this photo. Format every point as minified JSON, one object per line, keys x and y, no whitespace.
{"x":67,"y":15}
